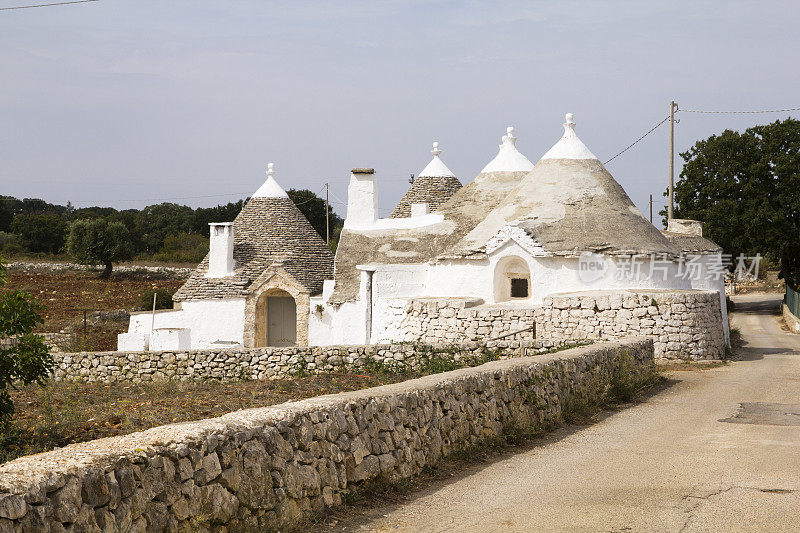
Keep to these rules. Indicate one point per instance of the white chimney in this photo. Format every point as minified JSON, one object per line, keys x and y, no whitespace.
{"x":421,"y":209}
{"x":362,"y":199}
{"x":220,"y":254}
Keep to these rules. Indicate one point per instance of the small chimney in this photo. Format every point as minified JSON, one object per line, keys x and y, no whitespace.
{"x":220,"y":254}
{"x":418,"y":210}
{"x":685,"y":226}
{"x":362,"y":198}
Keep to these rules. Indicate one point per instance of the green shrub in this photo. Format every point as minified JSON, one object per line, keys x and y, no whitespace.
{"x":41,"y":232}
{"x":12,"y":250}
{"x":28,"y":360}
{"x":163,"y":299}
{"x":8,"y":239}
{"x":183,"y":248}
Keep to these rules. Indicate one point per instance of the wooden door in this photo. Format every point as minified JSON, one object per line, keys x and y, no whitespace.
{"x":281,"y":321}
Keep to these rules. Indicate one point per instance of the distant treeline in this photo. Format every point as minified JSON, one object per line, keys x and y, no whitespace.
{"x":166,"y":231}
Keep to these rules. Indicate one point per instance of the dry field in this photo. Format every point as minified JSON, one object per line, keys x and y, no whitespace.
{"x":66,"y":295}
{"x":63,"y":413}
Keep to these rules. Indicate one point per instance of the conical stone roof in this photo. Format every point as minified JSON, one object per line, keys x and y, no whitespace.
{"x":434,"y":186}
{"x":269,"y":232}
{"x":460,"y":214}
{"x":569,"y":203}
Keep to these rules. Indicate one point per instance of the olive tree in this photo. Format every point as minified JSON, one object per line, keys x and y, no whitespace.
{"x":99,"y":242}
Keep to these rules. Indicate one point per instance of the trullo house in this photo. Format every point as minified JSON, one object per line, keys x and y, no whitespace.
{"x":499,"y":246}
{"x":252,"y":289}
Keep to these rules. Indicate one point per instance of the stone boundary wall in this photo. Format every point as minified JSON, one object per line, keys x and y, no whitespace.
{"x":32,"y":266}
{"x":262,"y":363}
{"x":57,"y":342}
{"x":262,"y":469}
{"x":451,"y":321}
{"x":682,"y":324}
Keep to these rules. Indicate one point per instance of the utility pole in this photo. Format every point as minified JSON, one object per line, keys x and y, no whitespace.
{"x":651,"y":208}
{"x":327,"y":218}
{"x":671,"y":158}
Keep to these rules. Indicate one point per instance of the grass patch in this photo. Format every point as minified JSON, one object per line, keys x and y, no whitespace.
{"x":736,"y":343}
{"x":626,"y":383}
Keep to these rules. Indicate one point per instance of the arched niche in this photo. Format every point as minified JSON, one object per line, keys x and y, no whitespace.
{"x":512,"y":279}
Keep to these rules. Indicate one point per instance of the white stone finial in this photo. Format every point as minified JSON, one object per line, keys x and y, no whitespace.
{"x":270,"y":188}
{"x":508,"y":159}
{"x":569,"y":146}
{"x":436,"y":168}
{"x":509,"y":138}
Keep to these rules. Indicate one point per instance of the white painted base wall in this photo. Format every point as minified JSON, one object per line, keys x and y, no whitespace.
{"x":208,"y":322}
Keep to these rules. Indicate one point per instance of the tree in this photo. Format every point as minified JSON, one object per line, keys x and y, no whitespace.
{"x":40,"y":232}
{"x":7,"y":211}
{"x":746,"y":188}
{"x":92,"y":212}
{"x":184,"y":248}
{"x":99,"y":242}
{"x":313,"y":208}
{"x":221,"y":213}
{"x":155,"y":222}
{"x":28,"y":359}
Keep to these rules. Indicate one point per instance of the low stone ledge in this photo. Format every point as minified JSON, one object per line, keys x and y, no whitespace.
{"x":265,"y":468}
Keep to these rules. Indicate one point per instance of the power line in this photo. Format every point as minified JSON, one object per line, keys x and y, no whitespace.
{"x":162,"y":199}
{"x":651,"y":130}
{"x":244,"y":194}
{"x":739,"y":112}
{"x":47,"y":5}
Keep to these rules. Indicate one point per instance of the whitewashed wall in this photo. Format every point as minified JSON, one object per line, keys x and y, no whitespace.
{"x":209,"y":321}
{"x":394,"y":285}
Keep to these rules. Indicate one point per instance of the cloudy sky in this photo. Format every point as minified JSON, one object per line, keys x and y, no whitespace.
{"x":126,"y":103}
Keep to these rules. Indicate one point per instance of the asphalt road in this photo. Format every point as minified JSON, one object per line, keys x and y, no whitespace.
{"x":687,"y":459}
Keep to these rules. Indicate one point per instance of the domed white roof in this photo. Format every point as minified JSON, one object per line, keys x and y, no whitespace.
{"x":508,"y":159}
{"x":569,"y":146}
{"x":436,"y":168}
{"x":270,"y":188}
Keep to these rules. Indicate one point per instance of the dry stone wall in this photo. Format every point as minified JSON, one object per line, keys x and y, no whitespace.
{"x":167,"y":271}
{"x":682,"y":324}
{"x":263,"y":469}
{"x":452,"y":321}
{"x":57,"y":342}
{"x":264,"y":363}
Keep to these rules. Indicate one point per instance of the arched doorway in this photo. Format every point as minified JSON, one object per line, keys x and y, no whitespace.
{"x":512,"y":279}
{"x":276,"y":319}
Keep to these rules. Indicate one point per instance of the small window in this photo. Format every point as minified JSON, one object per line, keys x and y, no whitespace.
{"x":519,"y":287}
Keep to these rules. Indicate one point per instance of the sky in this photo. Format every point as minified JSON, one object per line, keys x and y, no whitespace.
{"x":128,"y":103}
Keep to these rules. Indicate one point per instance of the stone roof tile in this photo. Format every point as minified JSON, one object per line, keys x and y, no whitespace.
{"x":269,"y":232}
